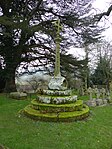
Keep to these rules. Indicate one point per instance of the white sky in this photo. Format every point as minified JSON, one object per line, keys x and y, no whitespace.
{"x":100,"y":6}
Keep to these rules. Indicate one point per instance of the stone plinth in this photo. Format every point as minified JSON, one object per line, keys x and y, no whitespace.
{"x":56,"y":99}
{"x":57,"y":83}
{"x":57,"y":93}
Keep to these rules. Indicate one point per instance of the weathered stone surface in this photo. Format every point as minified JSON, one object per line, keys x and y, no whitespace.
{"x":57,"y":83}
{"x":99,"y":102}
{"x":105,"y":101}
{"x":57,"y":92}
{"x":57,"y":99}
{"x":97,"y":92}
{"x":109,"y":100}
{"x":18,"y":95}
{"x":103,"y":93}
{"x":90,"y":91}
{"x":91,"y":103}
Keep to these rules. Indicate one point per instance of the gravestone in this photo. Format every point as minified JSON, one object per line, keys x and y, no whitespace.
{"x":108,"y":97}
{"x":100,"y":99}
{"x":91,"y":103}
{"x":103,"y":91}
{"x":99,"y":102}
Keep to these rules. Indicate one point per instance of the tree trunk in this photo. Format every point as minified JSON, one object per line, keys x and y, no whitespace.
{"x":10,"y":85}
{"x":2,"y":80}
{"x":2,"y":85}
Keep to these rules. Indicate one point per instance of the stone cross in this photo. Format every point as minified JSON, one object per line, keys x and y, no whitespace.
{"x":58,"y":40}
{"x":90,"y":92}
{"x":97,"y":93}
{"x":57,"y":82}
{"x":103,"y":93}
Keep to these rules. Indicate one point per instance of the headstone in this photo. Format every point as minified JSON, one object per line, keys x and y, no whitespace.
{"x":91,"y":103}
{"x":99,"y":102}
{"x":81,"y":91}
{"x":105,"y":101}
{"x":108,"y":97}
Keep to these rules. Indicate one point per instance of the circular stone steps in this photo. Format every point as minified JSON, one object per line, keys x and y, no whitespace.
{"x":57,"y":106}
{"x":57,"y":115}
{"x":76,"y":106}
{"x":56,"y":99}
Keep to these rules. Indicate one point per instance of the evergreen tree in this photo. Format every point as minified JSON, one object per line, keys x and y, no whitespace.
{"x":27,"y":33}
{"x":103,"y":73}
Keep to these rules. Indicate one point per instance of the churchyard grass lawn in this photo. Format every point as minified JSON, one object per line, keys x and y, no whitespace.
{"x":18,"y":132}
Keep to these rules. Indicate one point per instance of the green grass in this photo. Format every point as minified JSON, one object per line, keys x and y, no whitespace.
{"x":85,"y":97}
{"x":18,"y":132}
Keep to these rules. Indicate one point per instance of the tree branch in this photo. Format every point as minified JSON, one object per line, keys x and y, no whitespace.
{"x":35,"y":10}
{"x":107,"y":13}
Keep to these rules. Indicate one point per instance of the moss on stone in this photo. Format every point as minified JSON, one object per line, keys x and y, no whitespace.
{"x":57,"y":116}
{"x":60,"y":108}
{"x":78,"y":102}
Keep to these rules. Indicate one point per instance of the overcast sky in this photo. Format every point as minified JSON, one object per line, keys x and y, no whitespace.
{"x":100,"y":6}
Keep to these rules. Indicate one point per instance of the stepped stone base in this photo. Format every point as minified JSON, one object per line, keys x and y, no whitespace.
{"x":56,"y":104}
{"x":56,"y":99}
{"x":57,"y":112}
{"x":77,"y":106}
{"x":56,"y":116}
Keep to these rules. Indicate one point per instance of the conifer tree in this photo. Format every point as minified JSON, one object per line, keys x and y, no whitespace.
{"x":27,"y":33}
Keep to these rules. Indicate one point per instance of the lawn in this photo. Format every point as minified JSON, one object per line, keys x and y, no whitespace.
{"x":18,"y":132}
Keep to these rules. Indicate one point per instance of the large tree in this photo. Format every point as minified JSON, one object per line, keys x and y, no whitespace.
{"x":102,"y":74}
{"x":27,"y":32}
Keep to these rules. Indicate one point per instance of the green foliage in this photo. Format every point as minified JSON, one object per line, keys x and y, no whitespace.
{"x":84,"y":98}
{"x":103,"y":72}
